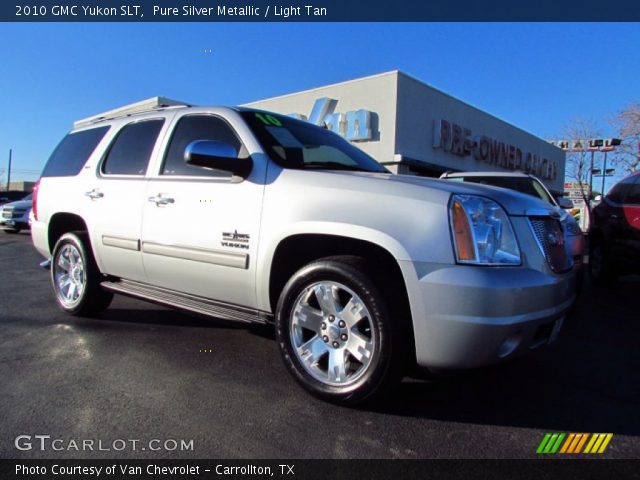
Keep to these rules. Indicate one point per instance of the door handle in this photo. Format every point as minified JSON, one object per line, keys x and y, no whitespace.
{"x":161,"y":199}
{"x":93,"y":194}
{"x":613,"y":216}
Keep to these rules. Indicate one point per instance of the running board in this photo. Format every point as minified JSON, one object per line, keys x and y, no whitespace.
{"x":184,"y":301}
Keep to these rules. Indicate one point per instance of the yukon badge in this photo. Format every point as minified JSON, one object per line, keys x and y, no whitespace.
{"x":235,"y":240}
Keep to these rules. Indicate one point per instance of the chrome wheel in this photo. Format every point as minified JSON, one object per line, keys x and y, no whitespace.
{"x":332,"y":333}
{"x":69,"y":275}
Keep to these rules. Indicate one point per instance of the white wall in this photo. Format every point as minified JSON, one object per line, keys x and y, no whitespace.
{"x":405,"y":113}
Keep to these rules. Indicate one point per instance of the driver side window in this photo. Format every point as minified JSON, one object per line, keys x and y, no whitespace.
{"x":189,"y":129}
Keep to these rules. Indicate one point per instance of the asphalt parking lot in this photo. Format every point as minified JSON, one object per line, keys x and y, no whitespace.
{"x":145,"y":372}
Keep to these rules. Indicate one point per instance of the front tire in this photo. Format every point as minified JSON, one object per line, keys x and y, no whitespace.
{"x":335,"y":333}
{"x":12,"y":230}
{"x":76,"y":277}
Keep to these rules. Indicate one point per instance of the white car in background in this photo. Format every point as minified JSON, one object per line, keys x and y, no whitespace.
{"x":14,"y":216}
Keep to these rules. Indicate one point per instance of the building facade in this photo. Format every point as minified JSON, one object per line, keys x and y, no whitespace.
{"x":415,"y":129}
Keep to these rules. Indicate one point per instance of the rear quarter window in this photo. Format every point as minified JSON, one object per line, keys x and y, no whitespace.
{"x":73,"y":152}
{"x":633,"y":195}
{"x":619,"y":191}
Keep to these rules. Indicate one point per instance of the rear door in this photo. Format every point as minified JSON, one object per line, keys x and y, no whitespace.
{"x":630,"y":224}
{"x":610,"y":217}
{"x":117,"y":197}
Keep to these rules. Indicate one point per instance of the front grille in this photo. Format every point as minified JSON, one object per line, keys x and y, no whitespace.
{"x":550,"y":238}
{"x":13,"y":213}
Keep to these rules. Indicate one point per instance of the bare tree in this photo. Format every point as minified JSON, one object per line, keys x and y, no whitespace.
{"x":627,"y":123}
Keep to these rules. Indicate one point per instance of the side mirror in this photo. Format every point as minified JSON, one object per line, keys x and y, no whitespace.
{"x":217,"y":156}
{"x":598,"y":198}
{"x":564,"y":202}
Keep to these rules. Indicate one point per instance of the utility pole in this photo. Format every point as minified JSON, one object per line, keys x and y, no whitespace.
{"x":9,"y":171}
{"x":591,"y":175}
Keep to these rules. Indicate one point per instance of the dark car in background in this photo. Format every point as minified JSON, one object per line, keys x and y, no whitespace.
{"x":614,"y":239}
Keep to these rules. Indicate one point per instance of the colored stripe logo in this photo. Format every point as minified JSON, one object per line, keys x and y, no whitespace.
{"x":553,"y":443}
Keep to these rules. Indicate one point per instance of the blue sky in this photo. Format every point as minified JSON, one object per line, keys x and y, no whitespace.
{"x":536,"y":76}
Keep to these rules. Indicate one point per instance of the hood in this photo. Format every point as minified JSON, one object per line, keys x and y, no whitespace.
{"x":18,"y":204}
{"x":515,"y":203}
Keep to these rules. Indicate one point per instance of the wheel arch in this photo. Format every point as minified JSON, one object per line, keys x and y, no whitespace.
{"x":297,"y":250}
{"x":61,"y":223}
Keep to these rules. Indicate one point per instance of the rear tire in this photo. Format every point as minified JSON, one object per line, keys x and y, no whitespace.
{"x":76,"y":277}
{"x":335,"y":333}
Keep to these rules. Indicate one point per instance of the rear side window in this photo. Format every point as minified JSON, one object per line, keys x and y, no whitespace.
{"x":633,"y":195}
{"x":197,"y":127}
{"x":520,"y":184}
{"x":620,"y":190}
{"x":73,"y":152}
{"x":130,"y":152}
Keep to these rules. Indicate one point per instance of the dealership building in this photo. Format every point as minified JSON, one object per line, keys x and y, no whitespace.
{"x":415,"y":129}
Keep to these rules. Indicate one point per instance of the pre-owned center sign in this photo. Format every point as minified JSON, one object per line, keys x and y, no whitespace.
{"x":460,"y":140}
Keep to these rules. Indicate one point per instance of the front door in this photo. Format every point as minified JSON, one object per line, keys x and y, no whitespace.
{"x":200,"y":226}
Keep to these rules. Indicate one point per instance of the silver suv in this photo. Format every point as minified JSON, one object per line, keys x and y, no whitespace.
{"x":257,"y":217}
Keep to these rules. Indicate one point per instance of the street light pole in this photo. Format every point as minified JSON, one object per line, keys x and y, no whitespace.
{"x":9,"y":171}
{"x":604,"y":173}
{"x":591,"y":175}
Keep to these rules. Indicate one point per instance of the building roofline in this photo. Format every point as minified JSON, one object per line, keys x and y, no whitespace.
{"x":308,"y":90}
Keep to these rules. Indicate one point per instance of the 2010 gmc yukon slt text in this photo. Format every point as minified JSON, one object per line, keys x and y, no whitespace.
{"x":258,"y":217}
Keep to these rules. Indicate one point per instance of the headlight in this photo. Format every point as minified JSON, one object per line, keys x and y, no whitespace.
{"x":482,"y":232}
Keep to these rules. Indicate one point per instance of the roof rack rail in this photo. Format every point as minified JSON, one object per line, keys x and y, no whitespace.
{"x":147,"y":105}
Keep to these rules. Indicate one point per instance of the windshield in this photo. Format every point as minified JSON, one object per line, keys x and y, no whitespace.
{"x":298,"y":144}
{"x":526,"y":185}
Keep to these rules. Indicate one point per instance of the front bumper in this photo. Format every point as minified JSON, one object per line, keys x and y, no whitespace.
{"x":469,"y":316}
{"x":12,"y":224}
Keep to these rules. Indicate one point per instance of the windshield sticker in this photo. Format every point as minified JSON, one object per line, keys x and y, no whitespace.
{"x":284,"y":137}
{"x":269,"y":119}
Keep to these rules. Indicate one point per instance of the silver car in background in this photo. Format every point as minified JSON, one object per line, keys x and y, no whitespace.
{"x":14,"y":216}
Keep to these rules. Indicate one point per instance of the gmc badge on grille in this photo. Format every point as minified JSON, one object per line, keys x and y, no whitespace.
{"x":555,"y":238}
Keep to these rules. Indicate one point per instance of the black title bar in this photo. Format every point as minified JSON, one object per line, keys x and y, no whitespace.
{"x":317,"y":11}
